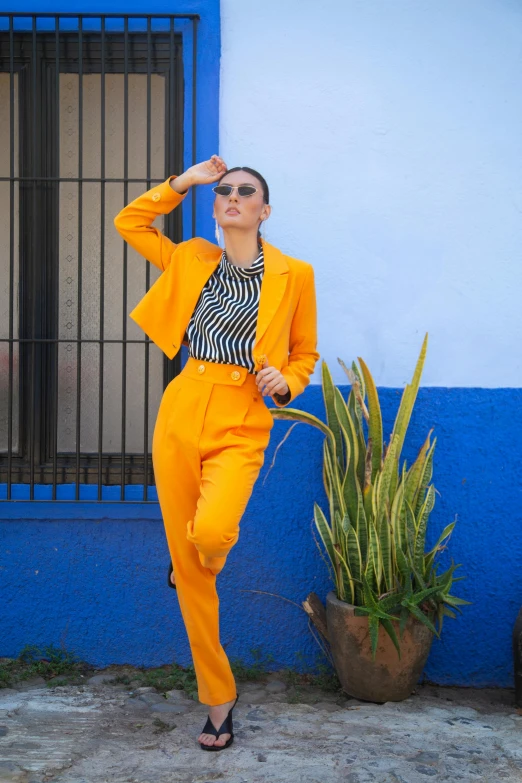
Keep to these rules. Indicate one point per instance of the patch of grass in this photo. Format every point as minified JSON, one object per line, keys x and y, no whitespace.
{"x":46,"y":662}
{"x":169,"y":677}
{"x":53,"y":662}
{"x":294,"y":696}
{"x":327,"y":680}
{"x":297,"y":684}
{"x":256,"y":671}
{"x":122,"y":679}
{"x":60,"y":681}
{"x":5,"y":677}
{"x":324,"y":678}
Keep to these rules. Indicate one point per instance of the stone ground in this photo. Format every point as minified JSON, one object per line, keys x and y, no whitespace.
{"x":102,"y":733}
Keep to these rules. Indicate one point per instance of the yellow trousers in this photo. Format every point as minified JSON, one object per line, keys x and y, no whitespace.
{"x":212,"y":429}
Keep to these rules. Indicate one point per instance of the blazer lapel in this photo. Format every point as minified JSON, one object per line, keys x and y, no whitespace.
{"x":273,"y":284}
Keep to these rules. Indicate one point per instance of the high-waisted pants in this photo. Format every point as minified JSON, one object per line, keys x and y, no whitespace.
{"x":212,"y":429}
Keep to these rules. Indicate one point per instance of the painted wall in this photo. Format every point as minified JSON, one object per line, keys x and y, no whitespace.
{"x":94,"y":577}
{"x":388,"y":133}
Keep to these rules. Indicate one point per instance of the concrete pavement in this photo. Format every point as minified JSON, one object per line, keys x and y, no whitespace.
{"x":103,"y":733}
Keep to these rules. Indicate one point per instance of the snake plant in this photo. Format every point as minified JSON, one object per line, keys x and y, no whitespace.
{"x":375,"y":531}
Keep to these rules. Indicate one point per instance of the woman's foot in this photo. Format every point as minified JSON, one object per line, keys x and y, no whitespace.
{"x":217,"y":714}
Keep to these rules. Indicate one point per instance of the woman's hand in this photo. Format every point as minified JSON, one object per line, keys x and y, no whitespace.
{"x":271,"y":381}
{"x":200,"y":174}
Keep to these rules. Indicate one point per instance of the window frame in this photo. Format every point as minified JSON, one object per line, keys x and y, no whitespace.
{"x":37,"y":461}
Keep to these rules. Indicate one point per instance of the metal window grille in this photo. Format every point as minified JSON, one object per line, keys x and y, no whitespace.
{"x":92,"y":114}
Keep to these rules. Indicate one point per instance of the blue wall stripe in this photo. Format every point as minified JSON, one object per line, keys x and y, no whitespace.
{"x":85,"y":572}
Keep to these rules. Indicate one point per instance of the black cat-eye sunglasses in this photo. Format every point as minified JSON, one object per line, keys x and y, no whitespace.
{"x":242,"y":190}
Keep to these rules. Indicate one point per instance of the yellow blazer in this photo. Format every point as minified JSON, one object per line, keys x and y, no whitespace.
{"x":286,"y":332}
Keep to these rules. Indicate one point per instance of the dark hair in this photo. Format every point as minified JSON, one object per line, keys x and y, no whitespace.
{"x":259,"y":177}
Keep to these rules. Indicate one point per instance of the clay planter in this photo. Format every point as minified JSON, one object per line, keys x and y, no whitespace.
{"x":388,"y":678}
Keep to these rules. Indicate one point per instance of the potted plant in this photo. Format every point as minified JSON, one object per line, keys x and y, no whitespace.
{"x":389,"y":599}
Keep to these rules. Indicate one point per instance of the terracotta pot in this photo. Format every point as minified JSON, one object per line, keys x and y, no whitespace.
{"x":388,"y":678}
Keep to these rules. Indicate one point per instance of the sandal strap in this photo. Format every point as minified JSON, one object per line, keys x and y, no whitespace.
{"x":209,"y":727}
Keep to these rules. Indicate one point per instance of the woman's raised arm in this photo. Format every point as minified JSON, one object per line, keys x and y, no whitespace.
{"x":134,"y":222}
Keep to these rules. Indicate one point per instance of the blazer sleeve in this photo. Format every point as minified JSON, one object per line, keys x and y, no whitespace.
{"x":134,"y":221}
{"x":303,"y":343}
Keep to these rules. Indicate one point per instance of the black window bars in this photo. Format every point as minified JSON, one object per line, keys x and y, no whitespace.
{"x":92,"y":114}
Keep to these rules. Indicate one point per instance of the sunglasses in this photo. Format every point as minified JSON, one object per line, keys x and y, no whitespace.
{"x":242,"y":190}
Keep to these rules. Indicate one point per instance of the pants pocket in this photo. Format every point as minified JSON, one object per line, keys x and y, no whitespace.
{"x":242,"y":408}
{"x":257,"y":420}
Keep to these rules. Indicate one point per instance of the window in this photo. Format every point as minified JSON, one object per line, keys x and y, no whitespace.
{"x":92,"y":115}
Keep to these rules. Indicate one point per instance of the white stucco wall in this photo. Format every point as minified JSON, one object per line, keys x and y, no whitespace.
{"x":390,"y":134}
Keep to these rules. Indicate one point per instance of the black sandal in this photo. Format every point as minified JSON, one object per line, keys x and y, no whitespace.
{"x":225,"y":728}
{"x":170,"y":574}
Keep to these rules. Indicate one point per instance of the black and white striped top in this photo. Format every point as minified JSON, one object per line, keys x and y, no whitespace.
{"x":223,"y":325}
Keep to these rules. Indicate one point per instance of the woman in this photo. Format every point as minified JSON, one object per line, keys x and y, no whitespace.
{"x":248,"y":316}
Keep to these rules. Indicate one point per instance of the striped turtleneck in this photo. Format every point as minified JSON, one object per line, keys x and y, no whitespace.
{"x":223,"y":325}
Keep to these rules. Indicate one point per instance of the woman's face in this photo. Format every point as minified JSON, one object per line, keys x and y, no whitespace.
{"x":241,"y":212}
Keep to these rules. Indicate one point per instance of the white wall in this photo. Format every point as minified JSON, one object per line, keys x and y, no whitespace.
{"x":390,"y":134}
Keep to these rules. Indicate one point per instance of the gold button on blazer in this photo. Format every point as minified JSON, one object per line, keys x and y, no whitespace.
{"x":286,"y":332}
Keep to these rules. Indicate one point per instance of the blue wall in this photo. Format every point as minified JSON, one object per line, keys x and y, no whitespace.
{"x":94,"y":577}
